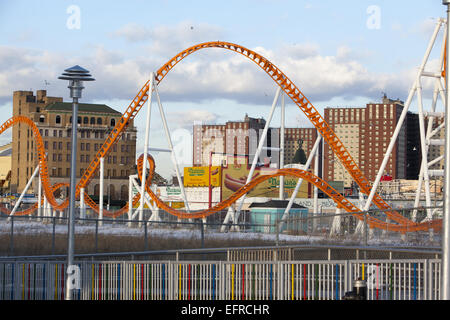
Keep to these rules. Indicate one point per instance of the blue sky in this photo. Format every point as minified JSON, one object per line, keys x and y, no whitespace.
{"x":329,"y":49}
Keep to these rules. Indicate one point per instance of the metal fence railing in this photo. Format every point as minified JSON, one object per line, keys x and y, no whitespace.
{"x":52,"y":231}
{"x":409,"y":279}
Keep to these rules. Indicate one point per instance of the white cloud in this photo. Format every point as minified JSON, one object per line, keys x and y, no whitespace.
{"x":170,"y":40}
{"x":206,"y":76}
{"x":187,"y":118}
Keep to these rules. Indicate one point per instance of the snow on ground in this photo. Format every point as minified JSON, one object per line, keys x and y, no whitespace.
{"x":120,"y":229}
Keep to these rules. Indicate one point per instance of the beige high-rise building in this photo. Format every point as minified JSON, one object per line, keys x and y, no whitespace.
{"x":53,"y":117}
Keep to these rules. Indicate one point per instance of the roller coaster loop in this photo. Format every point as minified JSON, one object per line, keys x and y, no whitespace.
{"x":400,"y":223}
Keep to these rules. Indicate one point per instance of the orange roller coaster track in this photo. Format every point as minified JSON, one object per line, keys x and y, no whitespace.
{"x":401,"y":224}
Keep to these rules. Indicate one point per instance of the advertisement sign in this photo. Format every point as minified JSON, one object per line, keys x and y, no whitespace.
{"x":235,"y":176}
{"x":199,"y":176}
{"x":169,"y":193}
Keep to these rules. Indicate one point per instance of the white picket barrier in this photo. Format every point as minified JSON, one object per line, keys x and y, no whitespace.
{"x":219,"y":280}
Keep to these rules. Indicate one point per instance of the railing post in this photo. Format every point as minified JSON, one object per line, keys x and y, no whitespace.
{"x":11,"y":237}
{"x":145,"y":237}
{"x":202,"y":233}
{"x":365,"y":228}
{"x":96,"y":235}
{"x":53,"y":234}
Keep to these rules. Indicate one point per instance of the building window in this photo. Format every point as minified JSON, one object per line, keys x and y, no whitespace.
{"x":92,"y":120}
{"x":113,"y":122}
{"x":58,"y":119}
{"x":99,"y":120}
{"x":41,"y":118}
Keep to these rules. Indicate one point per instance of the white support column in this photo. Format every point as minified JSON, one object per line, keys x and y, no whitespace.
{"x":336,"y":226}
{"x":130,"y":199}
{"x":102,"y":180}
{"x":299,"y":183}
{"x":155,"y":209}
{"x":45,"y":213}
{"x":173,"y":156}
{"x":401,"y":120}
{"x":316,"y":190}
{"x":255,"y":159}
{"x":283,"y":107}
{"x":39,"y":210}
{"x":147,"y":133}
{"x":147,"y":200}
{"x":82,"y":205}
{"x":24,"y":191}
{"x":424,"y":149}
{"x":430,"y":133}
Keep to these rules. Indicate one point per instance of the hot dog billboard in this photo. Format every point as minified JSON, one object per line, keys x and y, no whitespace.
{"x":199,"y":176}
{"x":234,"y":177}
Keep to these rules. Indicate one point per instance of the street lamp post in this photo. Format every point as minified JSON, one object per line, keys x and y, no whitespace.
{"x":76,"y":75}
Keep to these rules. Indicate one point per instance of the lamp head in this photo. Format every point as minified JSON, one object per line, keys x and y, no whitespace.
{"x":76,"y":75}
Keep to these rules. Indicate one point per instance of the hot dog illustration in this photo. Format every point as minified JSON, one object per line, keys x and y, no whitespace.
{"x":235,"y":184}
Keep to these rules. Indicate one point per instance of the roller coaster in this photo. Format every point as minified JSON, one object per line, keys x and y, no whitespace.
{"x":397,"y":222}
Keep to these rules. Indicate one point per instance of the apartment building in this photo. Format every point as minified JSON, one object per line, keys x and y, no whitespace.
{"x":53,"y":117}
{"x":212,"y":142}
{"x":366,"y":134}
{"x":292,"y":139}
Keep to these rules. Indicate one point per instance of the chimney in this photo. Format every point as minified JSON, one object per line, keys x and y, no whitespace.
{"x":40,"y":95}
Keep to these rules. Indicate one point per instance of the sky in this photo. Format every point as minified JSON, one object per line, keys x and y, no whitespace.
{"x":339,"y":53}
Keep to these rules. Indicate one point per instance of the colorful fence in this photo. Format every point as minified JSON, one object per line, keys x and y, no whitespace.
{"x":287,"y":280}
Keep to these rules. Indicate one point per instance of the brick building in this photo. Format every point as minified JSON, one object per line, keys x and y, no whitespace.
{"x":242,"y":138}
{"x":53,"y":117}
{"x":366,"y":134}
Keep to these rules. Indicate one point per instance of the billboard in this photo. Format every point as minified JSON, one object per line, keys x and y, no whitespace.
{"x":199,"y":176}
{"x":235,"y":175}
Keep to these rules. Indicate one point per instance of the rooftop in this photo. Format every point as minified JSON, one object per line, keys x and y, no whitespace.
{"x":82,"y":108}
